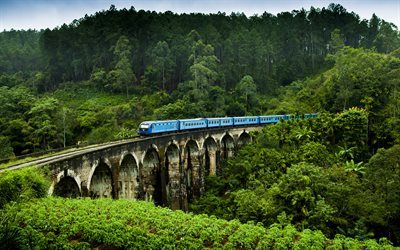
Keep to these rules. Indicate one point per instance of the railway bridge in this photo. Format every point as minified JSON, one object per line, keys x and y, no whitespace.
{"x":167,"y":169}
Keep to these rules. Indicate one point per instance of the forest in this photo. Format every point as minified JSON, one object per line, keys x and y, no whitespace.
{"x":337,"y":176}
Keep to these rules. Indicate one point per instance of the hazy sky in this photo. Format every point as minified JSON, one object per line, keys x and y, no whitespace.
{"x":39,"y":14}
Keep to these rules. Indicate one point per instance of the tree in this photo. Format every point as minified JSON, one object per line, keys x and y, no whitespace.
{"x":204,"y":65}
{"x":43,"y":119}
{"x":336,"y":42}
{"x":99,"y":78}
{"x":6,"y":151}
{"x":123,"y":74}
{"x":161,"y":56}
{"x":351,"y":130}
{"x":388,"y":38}
{"x":382,"y":174}
{"x":246,"y":90}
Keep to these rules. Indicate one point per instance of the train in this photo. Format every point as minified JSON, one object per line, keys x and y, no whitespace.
{"x":148,"y":128}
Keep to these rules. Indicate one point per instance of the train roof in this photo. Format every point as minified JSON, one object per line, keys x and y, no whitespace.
{"x":194,"y":119}
{"x":157,"y":121}
{"x":215,"y":118}
{"x":254,"y":116}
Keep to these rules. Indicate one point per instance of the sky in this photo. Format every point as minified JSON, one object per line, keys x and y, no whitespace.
{"x":41,"y":14}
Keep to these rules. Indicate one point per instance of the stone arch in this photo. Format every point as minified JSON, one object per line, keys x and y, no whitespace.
{"x":66,"y":185}
{"x":243,"y":139}
{"x":101,"y":181}
{"x":193,"y":172}
{"x":227,"y":146}
{"x":210,"y":148}
{"x":173,"y":175}
{"x":151,"y":176}
{"x":128,"y":178}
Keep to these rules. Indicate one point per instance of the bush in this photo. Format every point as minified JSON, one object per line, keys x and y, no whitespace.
{"x":22,"y":185}
{"x":54,"y":223}
{"x":102,"y":134}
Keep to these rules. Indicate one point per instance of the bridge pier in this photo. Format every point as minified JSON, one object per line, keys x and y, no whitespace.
{"x":172,"y":165}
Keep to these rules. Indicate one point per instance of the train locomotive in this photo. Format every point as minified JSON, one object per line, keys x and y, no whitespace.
{"x":148,"y":128}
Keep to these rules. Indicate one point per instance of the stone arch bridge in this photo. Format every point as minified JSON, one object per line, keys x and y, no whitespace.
{"x":167,"y":169}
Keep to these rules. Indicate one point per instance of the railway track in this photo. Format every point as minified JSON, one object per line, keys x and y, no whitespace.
{"x":62,"y":156}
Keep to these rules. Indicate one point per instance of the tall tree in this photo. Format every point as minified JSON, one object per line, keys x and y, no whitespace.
{"x":161,"y":57}
{"x":123,"y":74}
{"x":246,"y":90}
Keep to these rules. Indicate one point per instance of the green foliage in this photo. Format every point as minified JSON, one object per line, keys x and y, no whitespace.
{"x":246,"y":91}
{"x":22,"y":185}
{"x":102,"y":134}
{"x":351,"y":131}
{"x":310,"y":171}
{"x":19,"y":51}
{"x":314,"y":174}
{"x":66,"y":223}
{"x":382,"y":179}
{"x":122,"y":76}
{"x":6,"y":151}
{"x":44,"y":114}
{"x":206,"y":63}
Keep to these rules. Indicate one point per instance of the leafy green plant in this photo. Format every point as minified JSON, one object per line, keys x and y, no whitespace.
{"x":50,"y":223}
{"x":22,"y":185}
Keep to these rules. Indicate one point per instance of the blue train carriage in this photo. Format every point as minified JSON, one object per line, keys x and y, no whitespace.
{"x":187,"y":124}
{"x":219,"y":122}
{"x":226,"y":122}
{"x":269,"y":119}
{"x":246,"y":120}
{"x":213,"y":122}
{"x":157,"y":127}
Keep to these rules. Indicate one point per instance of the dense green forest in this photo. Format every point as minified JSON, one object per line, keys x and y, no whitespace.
{"x":97,"y":78}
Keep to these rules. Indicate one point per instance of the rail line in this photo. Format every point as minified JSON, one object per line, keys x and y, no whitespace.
{"x":63,"y":156}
